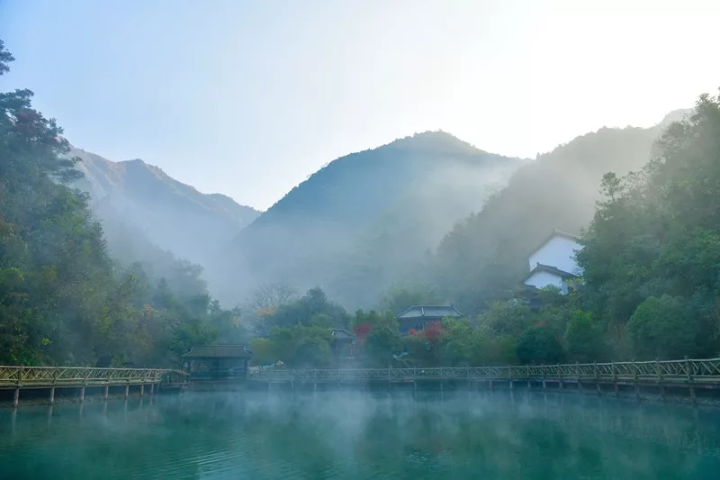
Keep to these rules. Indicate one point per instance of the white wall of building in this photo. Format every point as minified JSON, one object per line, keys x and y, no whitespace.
{"x":559,"y":252}
{"x":543,"y":279}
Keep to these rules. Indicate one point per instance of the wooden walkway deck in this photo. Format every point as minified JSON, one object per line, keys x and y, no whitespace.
{"x":19,"y":378}
{"x":672,"y":371}
{"x":688,"y":374}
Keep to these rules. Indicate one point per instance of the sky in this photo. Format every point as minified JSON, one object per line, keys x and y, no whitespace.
{"x":250,"y":98}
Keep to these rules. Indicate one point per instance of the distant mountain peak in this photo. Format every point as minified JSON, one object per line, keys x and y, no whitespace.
{"x":175,"y":216}
{"x":397,"y":200}
{"x":435,"y":141}
{"x":676,"y":116}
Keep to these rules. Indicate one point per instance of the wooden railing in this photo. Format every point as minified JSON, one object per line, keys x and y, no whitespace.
{"x":672,"y":371}
{"x":39,"y":377}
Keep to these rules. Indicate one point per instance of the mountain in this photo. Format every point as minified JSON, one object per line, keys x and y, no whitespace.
{"x":174,"y":216}
{"x":485,"y":256}
{"x":365,"y":220}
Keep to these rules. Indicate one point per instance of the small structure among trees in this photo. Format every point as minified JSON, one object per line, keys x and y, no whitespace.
{"x":553,"y":263}
{"x":418,"y":316}
{"x":217,"y":362}
{"x":343,"y":344}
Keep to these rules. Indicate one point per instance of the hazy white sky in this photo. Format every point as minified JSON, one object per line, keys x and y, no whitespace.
{"x":249,"y":98}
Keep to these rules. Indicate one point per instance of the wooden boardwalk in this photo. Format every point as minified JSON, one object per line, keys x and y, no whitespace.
{"x":671,"y":371}
{"x":19,"y":378}
{"x":687,"y":374}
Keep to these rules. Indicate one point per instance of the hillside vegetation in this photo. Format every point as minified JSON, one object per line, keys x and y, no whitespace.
{"x":63,"y":300}
{"x":651,"y":256}
{"x":77,"y":291}
{"x":484,"y":257}
{"x":366,"y":219}
{"x":172,"y":215}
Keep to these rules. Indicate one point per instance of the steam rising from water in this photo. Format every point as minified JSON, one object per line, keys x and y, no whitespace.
{"x":361,"y":435}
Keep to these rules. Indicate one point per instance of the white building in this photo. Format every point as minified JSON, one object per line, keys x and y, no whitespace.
{"x":553,"y":262}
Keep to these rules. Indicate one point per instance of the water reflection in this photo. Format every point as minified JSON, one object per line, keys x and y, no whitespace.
{"x":469,"y":435}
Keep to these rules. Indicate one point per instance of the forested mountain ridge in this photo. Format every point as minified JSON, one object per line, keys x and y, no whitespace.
{"x":485,"y":256}
{"x":173,"y":215}
{"x":63,"y":298}
{"x":651,"y":253}
{"x":400,"y":198}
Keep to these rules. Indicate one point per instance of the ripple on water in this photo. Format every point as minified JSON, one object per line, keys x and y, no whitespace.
{"x":357,"y":436}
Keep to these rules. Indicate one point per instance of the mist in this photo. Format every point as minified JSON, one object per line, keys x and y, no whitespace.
{"x":389,"y":315}
{"x":364,"y":434}
{"x":371,"y":220}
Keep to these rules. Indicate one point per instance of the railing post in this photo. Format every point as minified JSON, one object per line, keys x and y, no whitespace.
{"x":86,"y":374}
{"x":635,"y":370}
{"x":689,"y":375}
{"x":16,"y":393}
{"x":578,"y":375}
{"x":106,"y":390}
{"x":635,"y":375}
{"x":613,"y":372}
{"x":560,"y":376}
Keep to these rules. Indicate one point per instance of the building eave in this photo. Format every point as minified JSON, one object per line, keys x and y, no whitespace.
{"x":423,"y":314}
{"x":551,"y":270}
{"x":218,"y":351}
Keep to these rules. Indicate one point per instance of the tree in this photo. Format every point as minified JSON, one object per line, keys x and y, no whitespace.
{"x":302,"y":347}
{"x":507,"y":317}
{"x":654,"y":242}
{"x":5,"y":58}
{"x":313,"y":309}
{"x":263,"y":351}
{"x":583,"y":339}
{"x":457,"y":341}
{"x":271,"y":296}
{"x":63,"y":299}
{"x":381,"y":345}
{"x":660,"y":328}
{"x":539,"y":344}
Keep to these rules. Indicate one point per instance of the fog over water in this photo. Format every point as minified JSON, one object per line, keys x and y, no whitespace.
{"x":358,"y":435}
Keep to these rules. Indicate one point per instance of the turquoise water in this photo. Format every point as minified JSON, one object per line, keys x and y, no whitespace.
{"x":361,"y":436}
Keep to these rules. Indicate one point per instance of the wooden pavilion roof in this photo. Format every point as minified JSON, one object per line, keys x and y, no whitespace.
{"x":218,"y":351}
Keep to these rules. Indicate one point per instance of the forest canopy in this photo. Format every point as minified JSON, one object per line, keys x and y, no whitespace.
{"x":63,"y":300}
{"x":651,"y":262}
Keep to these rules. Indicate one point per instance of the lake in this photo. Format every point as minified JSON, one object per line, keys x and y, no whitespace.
{"x":334,"y":435}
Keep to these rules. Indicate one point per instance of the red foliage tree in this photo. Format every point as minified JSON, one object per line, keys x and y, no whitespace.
{"x":361,"y":332}
{"x":433,"y":331}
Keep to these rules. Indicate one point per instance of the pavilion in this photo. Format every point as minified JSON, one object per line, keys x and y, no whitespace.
{"x":217,"y":362}
{"x":417,"y":316}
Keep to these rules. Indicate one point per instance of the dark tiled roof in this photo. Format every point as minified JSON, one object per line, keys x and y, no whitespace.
{"x":342,"y":334}
{"x":429,"y":311}
{"x":549,"y":269}
{"x":218,"y":351}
